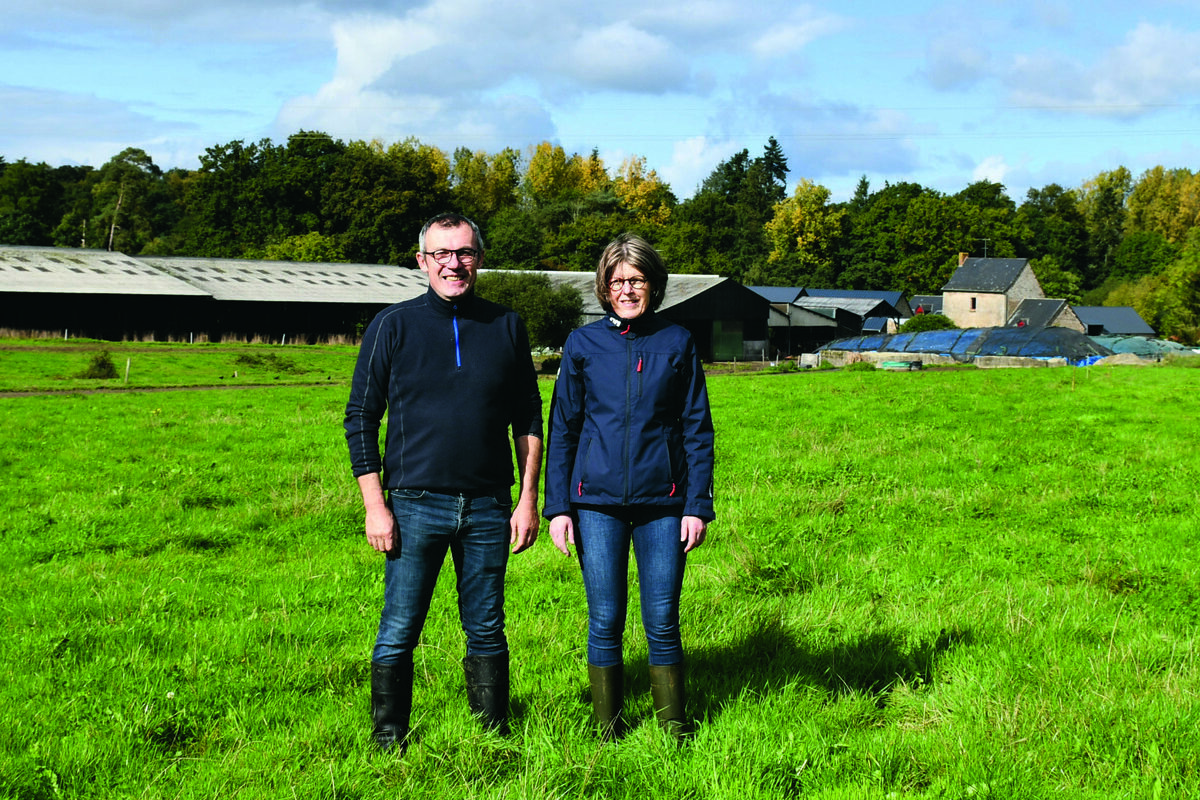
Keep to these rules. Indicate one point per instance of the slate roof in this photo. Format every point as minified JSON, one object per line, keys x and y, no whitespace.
{"x":986,"y":275}
{"x":778,"y":294}
{"x":1114,"y":320}
{"x":1036,"y":312}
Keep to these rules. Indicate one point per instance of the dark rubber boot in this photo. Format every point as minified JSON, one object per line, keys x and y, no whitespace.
{"x":666,"y":689}
{"x":608,"y":690}
{"x":391,"y":702}
{"x":487,"y":690}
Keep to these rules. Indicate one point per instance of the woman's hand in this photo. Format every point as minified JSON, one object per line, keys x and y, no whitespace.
{"x":562,"y":532}
{"x":691,"y":533}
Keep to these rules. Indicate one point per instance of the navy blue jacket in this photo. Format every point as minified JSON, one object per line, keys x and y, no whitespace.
{"x":630,"y":422}
{"x":453,"y":377}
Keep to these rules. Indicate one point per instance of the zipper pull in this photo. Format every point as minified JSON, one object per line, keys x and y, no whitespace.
{"x":672,"y":494}
{"x":639,"y":366}
{"x":580,"y":489}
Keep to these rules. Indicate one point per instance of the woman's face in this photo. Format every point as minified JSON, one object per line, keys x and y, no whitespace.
{"x":628,"y":301}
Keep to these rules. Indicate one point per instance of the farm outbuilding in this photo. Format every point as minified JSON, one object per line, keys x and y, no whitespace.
{"x":803,"y":319}
{"x":104,"y":295}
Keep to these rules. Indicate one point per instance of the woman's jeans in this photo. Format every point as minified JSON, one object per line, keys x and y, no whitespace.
{"x":602,"y":540}
{"x":475,"y":531}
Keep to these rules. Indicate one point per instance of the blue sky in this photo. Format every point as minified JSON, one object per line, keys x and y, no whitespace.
{"x":1024,"y":93}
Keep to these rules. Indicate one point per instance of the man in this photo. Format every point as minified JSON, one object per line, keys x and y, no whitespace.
{"x":453,"y":373}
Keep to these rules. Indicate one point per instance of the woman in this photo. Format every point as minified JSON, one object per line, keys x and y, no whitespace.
{"x":630,"y":459}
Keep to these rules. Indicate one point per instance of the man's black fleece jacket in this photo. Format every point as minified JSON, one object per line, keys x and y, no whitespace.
{"x":453,"y":378}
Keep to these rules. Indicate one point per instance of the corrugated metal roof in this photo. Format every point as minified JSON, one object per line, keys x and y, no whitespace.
{"x":894,"y":298}
{"x":991,"y":275}
{"x":680,"y":288}
{"x":63,"y":270}
{"x":1116,"y":320}
{"x":862,"y":306}
{"x":295,"y":281}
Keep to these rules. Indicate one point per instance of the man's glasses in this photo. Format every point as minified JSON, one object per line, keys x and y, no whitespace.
{"x":617,"y":284}
{"x":466,"y":255}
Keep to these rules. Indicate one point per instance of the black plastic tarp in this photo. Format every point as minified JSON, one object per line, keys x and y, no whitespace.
{"x":964,"y":345}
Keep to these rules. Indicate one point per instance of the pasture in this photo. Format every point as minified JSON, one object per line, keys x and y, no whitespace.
{"x":962,"y":584}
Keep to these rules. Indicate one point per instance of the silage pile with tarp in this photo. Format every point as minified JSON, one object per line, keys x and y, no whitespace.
{"x":965,"y":345}
{"x":1144,"y":347}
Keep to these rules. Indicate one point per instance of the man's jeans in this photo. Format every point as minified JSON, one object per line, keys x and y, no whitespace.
{"x":602,"y":541}
{"x":475,"y":531}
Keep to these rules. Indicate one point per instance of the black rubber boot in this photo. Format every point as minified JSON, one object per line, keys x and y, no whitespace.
{"x":487,"y":690}
{"x":391,"y":702}
{"x":666,"y":689}
{"x":608,"y":690}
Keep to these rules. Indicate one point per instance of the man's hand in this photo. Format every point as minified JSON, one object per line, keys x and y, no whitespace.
{"x":523,"y":525}
{"x":381,"y":523}
{"x":381,"y":527}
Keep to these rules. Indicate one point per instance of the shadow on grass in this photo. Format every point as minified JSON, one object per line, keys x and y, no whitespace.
{"x":770,"y":658}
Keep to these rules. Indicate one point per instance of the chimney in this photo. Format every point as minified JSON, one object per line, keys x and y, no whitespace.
{"x":962,"y":258}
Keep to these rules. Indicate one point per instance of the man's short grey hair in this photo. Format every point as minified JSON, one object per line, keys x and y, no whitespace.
{"x":450,"y":220}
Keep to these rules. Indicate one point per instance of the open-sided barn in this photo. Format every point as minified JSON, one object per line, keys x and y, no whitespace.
{"x":105,"y":295}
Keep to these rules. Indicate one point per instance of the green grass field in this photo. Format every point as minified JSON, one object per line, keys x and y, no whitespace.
{"x":963,"y":584}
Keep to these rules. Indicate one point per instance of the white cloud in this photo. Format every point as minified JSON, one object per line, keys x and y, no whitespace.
{"x":1155,"y":66}
{"x":622,"y":57}
{"x":804,"y":26}
{"x":991,"y":169}
{"x":693,"y":160}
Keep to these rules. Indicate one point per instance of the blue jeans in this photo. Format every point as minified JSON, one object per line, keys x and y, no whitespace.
{"x":602,"y":539}
{"x":475,"y":531}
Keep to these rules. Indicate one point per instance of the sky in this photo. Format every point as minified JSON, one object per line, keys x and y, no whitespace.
{"x":1025,"y":93}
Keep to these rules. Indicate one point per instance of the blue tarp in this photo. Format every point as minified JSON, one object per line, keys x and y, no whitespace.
{"x":964,"y":345}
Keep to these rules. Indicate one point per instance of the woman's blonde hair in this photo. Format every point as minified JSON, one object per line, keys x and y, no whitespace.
{"x":635,"y":251}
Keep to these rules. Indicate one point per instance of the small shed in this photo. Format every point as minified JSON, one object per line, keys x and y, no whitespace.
{"x":1113,"y":321}
{"x":1045,"y":314}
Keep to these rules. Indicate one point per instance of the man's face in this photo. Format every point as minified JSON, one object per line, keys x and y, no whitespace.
{"x":453,"y":279}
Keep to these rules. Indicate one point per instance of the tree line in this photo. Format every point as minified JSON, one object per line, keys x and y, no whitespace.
{"x":1115,"y":240}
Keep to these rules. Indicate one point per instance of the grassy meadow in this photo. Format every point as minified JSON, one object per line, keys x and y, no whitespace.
{"x":960,"y":584}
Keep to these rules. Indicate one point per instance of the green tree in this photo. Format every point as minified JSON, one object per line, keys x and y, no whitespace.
{"x":33,"y":198}
{"x":1166,"y":202}
{"x":483,"y":185}
{"x":927,"y":322}
{"x":734,"y":204}
{"x":131,"y":203}
{"x":1055,"y":280}
{"x":1051,"y":224}
{"x":549,"y":312}
{"x":378,"y":199}
{"x":1102,"y":202}
{"x":310,"y":247}
{"x":1142,"y":253}
{"x":805,"y":234}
